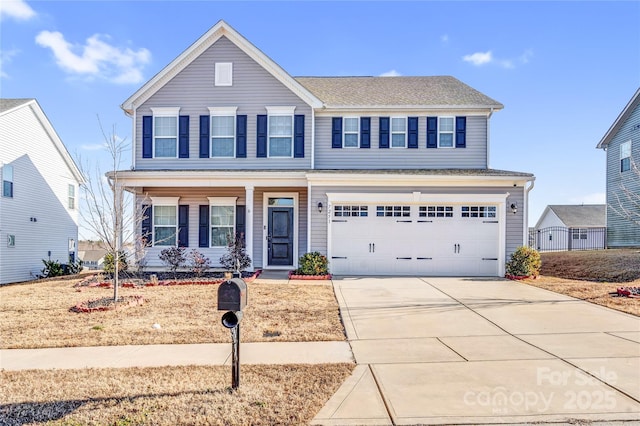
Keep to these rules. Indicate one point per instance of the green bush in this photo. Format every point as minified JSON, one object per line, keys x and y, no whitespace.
{"x":313,"y":263}
{"x":52,"y":268}
{"x":525,"y":261}
{"x":109,"y":265}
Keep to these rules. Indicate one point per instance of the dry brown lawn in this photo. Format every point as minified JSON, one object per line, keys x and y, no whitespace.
{"x":36,"y":315}
{"x":268,"y":395}
{"x":616,"y":265}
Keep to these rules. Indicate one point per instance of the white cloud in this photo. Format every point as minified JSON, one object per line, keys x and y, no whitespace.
{"x":526,"y":56}
{"x":444,"y":38}
{"x":6,"y":57}
{"x":97,"y":59}
{"x":594,"y":198}
{"x":93,"y":147}
{"x":479,"y":58}
{"x":392,"y":73}
{"x":16,"y":9}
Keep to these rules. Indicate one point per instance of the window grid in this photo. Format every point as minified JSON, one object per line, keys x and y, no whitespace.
{"x":165,"y":136}
{"x":351,"y":132}
{"x":223,"y":136}
{"x":281,"y":136}
{"x":398,"y":132}
{"x":165,"y":225}
{"x":445,"y":132}
{"x":579,"y":234}
{"x":479,"y":211}
{"x":72,"y":197}
{"x":435,"y":211}
{"x":351,"y":211}
{"x":393,"y":211}
{"x":222,"y":225}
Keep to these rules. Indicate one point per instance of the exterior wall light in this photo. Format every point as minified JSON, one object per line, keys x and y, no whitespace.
{"x":319,"y":207}
{"x":514,"y":207}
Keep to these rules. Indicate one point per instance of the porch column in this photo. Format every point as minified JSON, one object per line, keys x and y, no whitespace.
{"x":248,"y":237}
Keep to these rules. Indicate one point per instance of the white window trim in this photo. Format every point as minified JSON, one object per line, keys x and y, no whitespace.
{"x":344,"y":132}
{"x":629,"y":143}
{"x":4,"y":178}
{"x":222,"y":202}
{"x":163,"y":202}
{"x":452,"y":132}
{"x":279,"y":111}
{"x":223,"y":74}
{"x":265,"y":232}
{"x":71,"y":197}
{"x":165,"y":112}
{"x":11,"y":240}
{"x":222,"y":112}
{"x":405,"y":133}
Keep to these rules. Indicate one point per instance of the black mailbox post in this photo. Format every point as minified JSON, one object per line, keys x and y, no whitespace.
{"x":232,"y":297}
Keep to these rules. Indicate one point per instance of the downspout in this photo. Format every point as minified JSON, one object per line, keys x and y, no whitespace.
{"x":526,"y":212}
{"x":309,"y":204}
{"x":313,"y":138}
{"x":133,"y":139}
{"x":489,"y":136}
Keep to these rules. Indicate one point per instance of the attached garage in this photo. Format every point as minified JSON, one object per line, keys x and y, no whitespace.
{"x":416,"y":234}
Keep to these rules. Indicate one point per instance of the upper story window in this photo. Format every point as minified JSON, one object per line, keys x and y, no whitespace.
{"x":351,"y":129}
{"x":71,"y":193}
{"x":223,"y":132}
{"x":165,"y":132}
{"x":222,"y":220}
{"x":446,"y":132}
{"x":7,"y":181}
{"x":280,"y":131}
{"x":224,"y":74}
{"x":398,"y":132}
{"x":625,"y":156}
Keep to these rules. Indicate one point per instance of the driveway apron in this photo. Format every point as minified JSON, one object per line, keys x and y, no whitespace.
{"x":480,"y":351}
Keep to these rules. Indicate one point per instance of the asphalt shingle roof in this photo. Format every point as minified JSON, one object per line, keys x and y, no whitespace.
{"x":581,"y":216}
{"x":7,"y":104}
{"x":396,"y":91}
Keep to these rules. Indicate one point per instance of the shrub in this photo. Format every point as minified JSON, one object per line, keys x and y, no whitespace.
{"x":52,"y":268}
{"x":74,"y":267}
{"x":236,"y":258}
{"x":313,"y":263}
{"x":525,"y":261}
{"x":172,"y":257}
{"x":198,"y":262}
{"x":109,"y":264}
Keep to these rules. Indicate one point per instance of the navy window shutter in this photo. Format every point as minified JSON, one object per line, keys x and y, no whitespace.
{"x":147,"y":213}
{"x":432,"y":132}
{"x":204,"y":136}
{"x":183,"y":225}
{"x":365,"y":132}
{"x":183,"y":136}
{"x":461,"y":132}
{"x":261,"y":136}
{"x":203,"y":227}
{"x":298,"y":136}
{"x":413,"y":132}
{"x":336,"y":132}
{"x":147,"y":136}
{"x":384,"y":132}
{"x":240,"y":221}
{"x":241,"y":136}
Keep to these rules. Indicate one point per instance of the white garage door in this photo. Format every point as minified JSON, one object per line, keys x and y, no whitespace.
{"x":429,"y":239}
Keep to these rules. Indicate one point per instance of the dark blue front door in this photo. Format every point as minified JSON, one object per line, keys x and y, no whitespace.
{"x":280,"y":236}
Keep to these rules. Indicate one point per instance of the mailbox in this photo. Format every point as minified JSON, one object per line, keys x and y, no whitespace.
{"x":232,"y":295}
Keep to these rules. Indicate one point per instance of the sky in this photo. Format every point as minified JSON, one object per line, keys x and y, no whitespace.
{"x":563,"y":70}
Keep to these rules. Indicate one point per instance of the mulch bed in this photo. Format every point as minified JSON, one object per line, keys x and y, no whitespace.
{"x":294,"y":276}
{"x":107,"y":304}
{"x":633,"y":292}
{"x":163,"y":279}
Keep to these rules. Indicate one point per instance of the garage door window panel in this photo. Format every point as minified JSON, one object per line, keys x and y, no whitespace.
{"x":478,"y":211}
{"x":435,"y":211}
{"x":351,"y":211}
{"x":393,"y":211}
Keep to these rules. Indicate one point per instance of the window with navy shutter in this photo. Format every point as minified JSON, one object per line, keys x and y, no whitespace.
{"x":336,"y":132}
{"x":298,"y":136}
{"x":384,"y":133}
{"x":461,"y":132}
{"x":432,"y":132}
{"x":183,"y":136}
{"x":261,"y":136}
{"x":365,"y":132}
{"x":147,"y":213}
{"x":204,"y":136}
{"x":147,"y":136}
{"x":183,"y":225}
{"x":241,"y":136}
{"x":203,"y":226}
{"x":413,"y":132}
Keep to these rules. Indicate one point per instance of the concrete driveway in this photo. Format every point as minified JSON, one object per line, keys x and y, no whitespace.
{"x":474,"y":351}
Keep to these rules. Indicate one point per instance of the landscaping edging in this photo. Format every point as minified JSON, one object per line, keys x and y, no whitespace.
{"x":519,"y":277}
{"x":193,"y":281}
{"x":293,"y":276}
{"x":107,"y":304}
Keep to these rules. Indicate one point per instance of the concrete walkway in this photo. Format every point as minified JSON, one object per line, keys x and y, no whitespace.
{"x":451,"y":351}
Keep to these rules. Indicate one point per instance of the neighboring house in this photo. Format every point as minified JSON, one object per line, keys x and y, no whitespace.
{"x":92,"y":254}
{"x":39,"y":199}
{"x":570,"y":227}
{"x":622,"y":145}
{"x":385,"y":175}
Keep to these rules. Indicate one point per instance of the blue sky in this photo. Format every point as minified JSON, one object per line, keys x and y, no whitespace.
{"x":563,"y":70}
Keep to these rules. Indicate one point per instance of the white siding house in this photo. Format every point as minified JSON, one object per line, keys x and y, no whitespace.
{"x":571,"y":227}
{"x":39,"y":194}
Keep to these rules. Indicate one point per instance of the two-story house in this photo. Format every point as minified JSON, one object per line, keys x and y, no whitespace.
{"x":385,"y":175}
{"x":622,"y":145}
{"x":39,"y":193}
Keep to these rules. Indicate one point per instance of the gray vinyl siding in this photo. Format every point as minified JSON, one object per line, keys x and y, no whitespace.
{"x":38,"y":214}
{"x":193,"y":91}
{"x":621,"y":231}
{"x":514,"y":225}
{"x":474,"y":156}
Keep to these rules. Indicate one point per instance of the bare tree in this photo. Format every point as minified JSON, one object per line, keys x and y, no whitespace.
{"x":107,"y":208}
{"x":627,"y":201}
